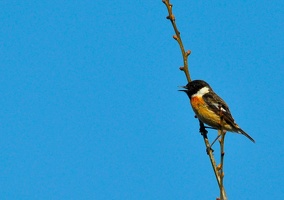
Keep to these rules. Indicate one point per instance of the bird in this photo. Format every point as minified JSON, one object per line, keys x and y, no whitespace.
{"x":211,"y":109}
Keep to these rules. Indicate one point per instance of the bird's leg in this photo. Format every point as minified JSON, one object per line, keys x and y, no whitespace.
{"x":204,"y":132}
{"x":202,"y":129}
{"x":210,"y":127}
{"x":215,"y":140}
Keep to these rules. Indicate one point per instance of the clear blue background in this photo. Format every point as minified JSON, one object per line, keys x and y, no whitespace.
{"x":90,"y":108}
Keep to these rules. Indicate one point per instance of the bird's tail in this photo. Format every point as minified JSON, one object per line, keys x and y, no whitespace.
{"x":245,"y":134}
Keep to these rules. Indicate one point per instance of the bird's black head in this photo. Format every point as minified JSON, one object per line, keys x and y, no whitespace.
{"x":194,"y":86}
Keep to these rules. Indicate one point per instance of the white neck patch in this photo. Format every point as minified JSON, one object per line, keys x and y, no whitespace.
{"x":202,"y":91}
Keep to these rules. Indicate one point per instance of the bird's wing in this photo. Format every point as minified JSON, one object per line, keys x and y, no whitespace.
{"x":217,"y":104}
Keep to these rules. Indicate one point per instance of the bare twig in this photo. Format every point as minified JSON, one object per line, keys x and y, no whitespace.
{"x":209,"y":151}
{"x":177,"y":37}
{"x":203,"y":131}
{"x":221,"y":133}
{"x":216,"y":168}
{"x":220,"y":167}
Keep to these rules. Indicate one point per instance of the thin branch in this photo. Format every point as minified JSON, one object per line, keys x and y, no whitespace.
{"x":203,"y":131}
{"x":209,"y":151}
{"x":220,"y":167}
{"x":216,"y":168}
{"x":177,"y":37}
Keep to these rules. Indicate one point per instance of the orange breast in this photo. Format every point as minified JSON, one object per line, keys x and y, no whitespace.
{"x":203,"y":112}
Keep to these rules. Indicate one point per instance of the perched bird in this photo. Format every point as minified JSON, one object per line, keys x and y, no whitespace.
{"x":209,"y":107}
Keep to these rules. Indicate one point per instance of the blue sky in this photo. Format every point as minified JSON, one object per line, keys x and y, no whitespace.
{"x":90,"y":108}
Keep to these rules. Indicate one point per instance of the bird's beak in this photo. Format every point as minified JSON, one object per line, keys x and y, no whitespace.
{"x":184,"y":88}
